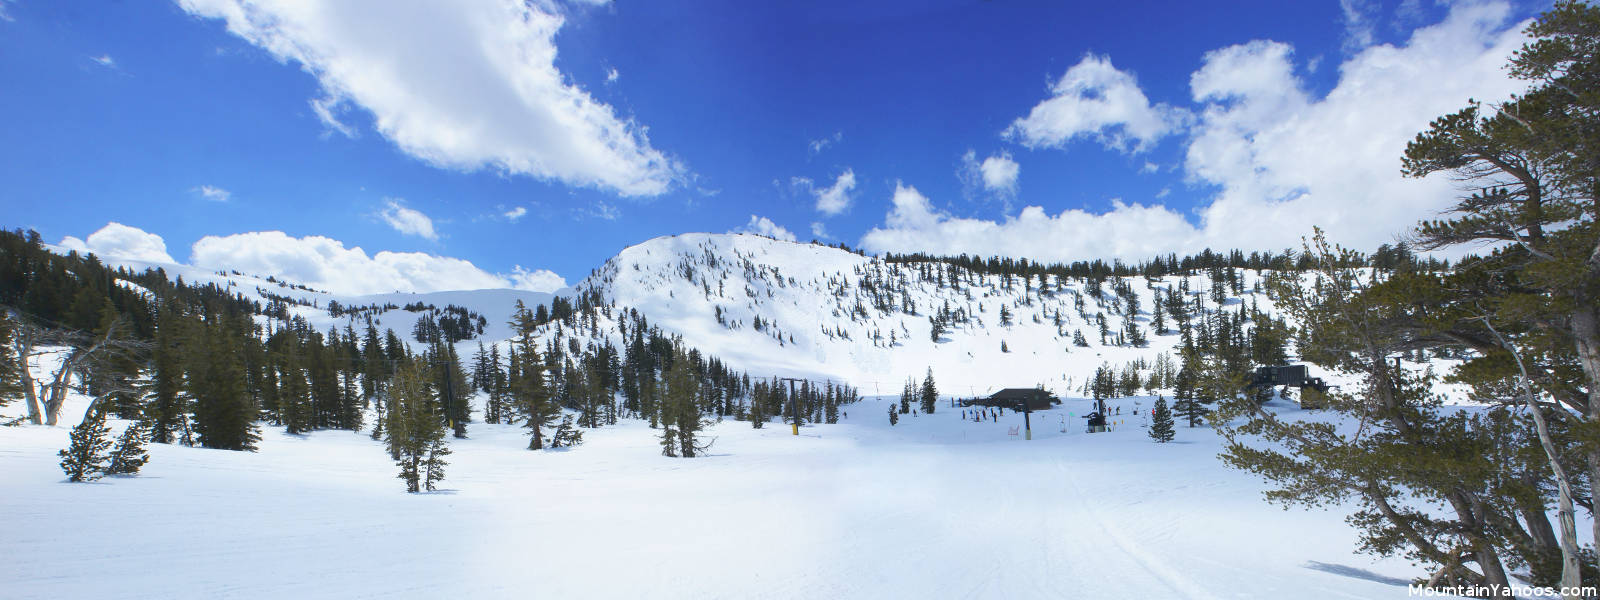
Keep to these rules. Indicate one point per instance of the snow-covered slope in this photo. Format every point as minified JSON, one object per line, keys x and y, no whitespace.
{"x":936,"y":507}
{"x":773,"y":307}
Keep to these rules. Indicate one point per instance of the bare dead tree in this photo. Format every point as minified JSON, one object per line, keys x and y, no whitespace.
{"x":32,"y":339}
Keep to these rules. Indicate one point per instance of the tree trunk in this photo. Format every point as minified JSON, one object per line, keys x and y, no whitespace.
{"x":1586,"y":333}
{"x":1571,"y":570}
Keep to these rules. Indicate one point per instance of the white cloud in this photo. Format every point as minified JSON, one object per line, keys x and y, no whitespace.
{"x":213,"y":193}
{"x":993,"y":178}
{"x":1284,"y":162}
{"x":1278,"y":159}
{"x":818,"y":145}
{"x":765,"y":226}
{"x":407,"y":220}
{"x":116,"y":240}
{"x":1358,"y":29}
{"x":516,"y":213}
{"x":104,"y":60}
{"x":835,"y":198}
{"x":1149,"y":167}
{"x":1094,"y":99}
{"x":461,"y":85}
{"x":820,"y":231}
{"x":5,"y":16}
{"x":538,"y":280}
{"x":913,"y":224}
{"x":1000,"y":173}
{"x":612,"y":75}
{"x":326,"y":264}
{"x":319,"y":262}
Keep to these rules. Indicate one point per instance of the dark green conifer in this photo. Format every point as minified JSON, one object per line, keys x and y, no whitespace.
{"x":129,"y":455}
{"x":85,"y":457}
{"x":1161,"y":422}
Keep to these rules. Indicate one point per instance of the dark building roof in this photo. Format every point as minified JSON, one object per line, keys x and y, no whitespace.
{"x":1019,"y":394}
{"x":1016,"y":398}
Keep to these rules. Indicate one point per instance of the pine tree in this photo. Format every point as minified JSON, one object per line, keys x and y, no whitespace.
{"x":567,"y":434}
{"x":758,"y":412}
{"x":894,"y":416}
{"x":10,"y":376}
{"x":527,"y":389}
{"x":1161,"y":422}
{"x":681,"y":420}
{"x":166,"y":407}
{"x":85,"y":457}
{"x":907,"y":394}
{"x":929,"y":394}
{"x":416,"y":428}
{"x":224,"y":411}
{"x":129,"y":455}
{"x":453,"y":389}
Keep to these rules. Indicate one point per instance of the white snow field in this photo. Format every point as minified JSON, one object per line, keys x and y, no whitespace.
{"x":936,"y":507}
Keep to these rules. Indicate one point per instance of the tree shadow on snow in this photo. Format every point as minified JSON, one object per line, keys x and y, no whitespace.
{"x":1356,"y":573}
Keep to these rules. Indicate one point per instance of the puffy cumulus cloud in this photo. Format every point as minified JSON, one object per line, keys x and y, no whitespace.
{"x":461,"y":85}
{"x":993,"y":178}
{"x":1000,"y":173}
{"x":765,"y":226}
{"x":820,"y":231}
{"x":537,"y":280}
{"x":326,"y":264}
{"x":1094,"y":99}
{"x":116,"y":240}
{"x":514,"y":214}
{"x":1129,"y":231}
{"x":835,"y":198}
{"x":1274,"y":158}
{"x":1283,"y":161}
{"x":407,"y":220}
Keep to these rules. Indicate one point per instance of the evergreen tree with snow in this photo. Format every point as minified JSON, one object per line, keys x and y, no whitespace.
{"x":166,"y":407}
{"x":85,"y":457}
{"x":129,"y":455}
{"x":10,"y":373}
{"x":894,"y":416}
{"x":681,"y":421}
{"x":416,"y":428}
{"x":929,"y":394}
{"x":1161,"y":422}
{"x":528,"y":392}
{"x":566,"y":434}
{"x":224,"y":410}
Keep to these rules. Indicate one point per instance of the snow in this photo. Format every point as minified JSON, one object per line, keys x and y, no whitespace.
{"x":934,"y":507}
{"x":937,"y":506}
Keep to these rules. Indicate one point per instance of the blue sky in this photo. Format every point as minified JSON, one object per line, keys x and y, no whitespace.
{"x":443,"y":134}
